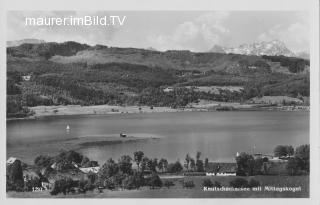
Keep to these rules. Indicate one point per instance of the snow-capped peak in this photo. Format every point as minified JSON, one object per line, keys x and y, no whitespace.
{"x":271,"y":48}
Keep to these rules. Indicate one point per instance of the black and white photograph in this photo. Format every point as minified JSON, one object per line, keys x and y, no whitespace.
{"x":211,"y":103}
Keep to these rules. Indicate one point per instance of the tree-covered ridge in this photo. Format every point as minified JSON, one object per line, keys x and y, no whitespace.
{"x":65,"y":73}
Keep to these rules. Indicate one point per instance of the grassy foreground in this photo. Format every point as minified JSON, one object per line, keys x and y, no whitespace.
{"x":178,"y":191}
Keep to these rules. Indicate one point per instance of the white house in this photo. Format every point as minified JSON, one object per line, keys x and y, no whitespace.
{"x":168,"y":89}
{"x":26,"y":77}
{"x":11,"y":160}
{"x":90,"y":169}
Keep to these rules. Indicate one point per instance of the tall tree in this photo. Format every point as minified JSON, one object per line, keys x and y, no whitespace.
{"x":283,"y":151}
{"x":192,"y":164}
{"x":292,"y":166}
{"x":303,"y":154}
{"x":138,"y":155}
{"x":162,"y":164}
{"x":245,"y":164}
{"x":199,"y":163}
{"x":125,"y":164}
{"x":109,"y":169}
{"x":152,"y":164}
{"x":206,"y":163}
{"x":198,"y":155}
{"x":187,"y":161}
{"x":16,"y":174}
{"x":144,"y":163}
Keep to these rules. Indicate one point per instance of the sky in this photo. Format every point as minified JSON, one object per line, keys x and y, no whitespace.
{"x":172,"y":30}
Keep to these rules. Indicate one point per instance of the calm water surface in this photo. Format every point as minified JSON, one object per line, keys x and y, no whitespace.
{"x":217,"y":135}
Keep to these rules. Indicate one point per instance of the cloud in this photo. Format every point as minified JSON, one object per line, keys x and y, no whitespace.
{"x":295,"y":35}
{"x":203,"y":32}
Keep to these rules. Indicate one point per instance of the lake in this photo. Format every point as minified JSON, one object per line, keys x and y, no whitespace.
{"x":217,"y":135}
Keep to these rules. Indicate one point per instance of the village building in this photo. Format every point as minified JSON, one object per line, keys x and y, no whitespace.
{"x":87,"y":170}
{"x":221,"y":169}
{"x":26,"y":77}
{"x":168,"y":89}
{"x":262,"y":156}
{"x":11,"y":160}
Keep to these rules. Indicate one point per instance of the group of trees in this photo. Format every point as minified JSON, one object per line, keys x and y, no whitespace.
{"x":14,"y":175}
{"x":16,"y":106}
{"x":144,"y":163}
{"x":283,"y":151}
{"x":247,"y":165}
{"x":111,"y":175}
{"x":64,"y":160}
{"x":243,"y":183}
{"x":17,"y":181}
{"x":298,"y":161}
{"x":66,"y":185}
{"x":121,"y":174}
{"x":295,"y":65}
{"x":195,"y":165}
{"x":276,"y":84}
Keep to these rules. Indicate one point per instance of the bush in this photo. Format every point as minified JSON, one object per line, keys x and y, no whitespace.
{"x":239,"y":183}
{"x":43,"y":161}
{"x":92,"y":177}
{"x":109,"y":184}
{"x":32,"y":183}
{"x":154,"y":181}
{"x":70,"y":156}
{"x":133,"y":182}
{"x":283,"y":151}
{"x":175,"y":167}
{"x":217,"y":184}
{"x":253,"y":183}
{"x":207,"y":183}
{"x":302,"y":154}
{"x":62,"y":186}
{"x":86,"y":185}
{"x":168,"y":184}
{"x":188,"y":184}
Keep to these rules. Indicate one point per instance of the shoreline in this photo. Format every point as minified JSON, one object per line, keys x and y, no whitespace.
{"x":73,"y":110}
{"x":27,"y":150}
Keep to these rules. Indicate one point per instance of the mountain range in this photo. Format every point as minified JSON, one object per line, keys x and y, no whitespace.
{"x":269,"y":48}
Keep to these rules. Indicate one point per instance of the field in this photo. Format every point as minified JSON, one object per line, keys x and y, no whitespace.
{"x":197,"y":192}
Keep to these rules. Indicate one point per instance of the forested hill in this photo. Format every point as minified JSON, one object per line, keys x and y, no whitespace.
{"x":74,"y":73}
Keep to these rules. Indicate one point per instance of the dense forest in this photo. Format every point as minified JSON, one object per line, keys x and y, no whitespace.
{"x":62,"y":74}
